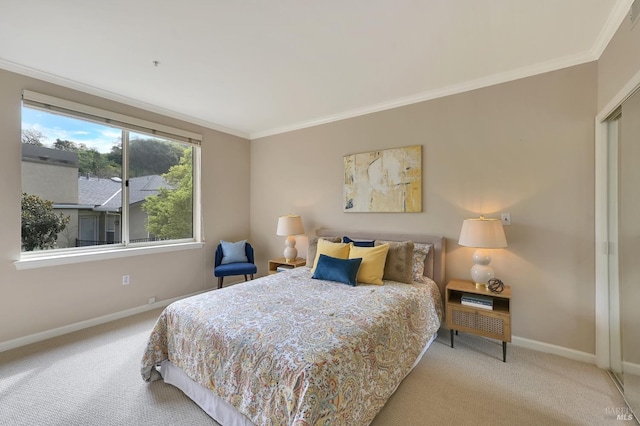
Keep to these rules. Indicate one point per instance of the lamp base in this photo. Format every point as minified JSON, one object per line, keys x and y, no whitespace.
{"x":481,"y":272}
{"x":290,"y":251}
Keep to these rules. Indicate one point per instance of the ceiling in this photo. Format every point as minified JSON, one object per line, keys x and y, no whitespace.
{"x":254,"y":67}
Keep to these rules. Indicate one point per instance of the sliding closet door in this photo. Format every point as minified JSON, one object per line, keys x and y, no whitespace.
{"x":615,"y":334}
{"x":629,"y":247}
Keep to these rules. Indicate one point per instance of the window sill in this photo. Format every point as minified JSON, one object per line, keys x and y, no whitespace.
{"x":43,"y":261}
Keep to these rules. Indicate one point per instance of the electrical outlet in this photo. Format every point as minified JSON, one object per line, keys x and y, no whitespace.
{"x":506,"y":218}
{"x":126,"y":280}
{"x":152,"y":300}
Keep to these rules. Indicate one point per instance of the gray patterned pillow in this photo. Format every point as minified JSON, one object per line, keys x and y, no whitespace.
{"x":399,"y":264}
{"x":313,"y":247}
{"x":420,"y":251}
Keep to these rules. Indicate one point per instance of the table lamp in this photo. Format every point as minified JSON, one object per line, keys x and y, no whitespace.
{"x":482,"y":234}
{"x":289,"y":226}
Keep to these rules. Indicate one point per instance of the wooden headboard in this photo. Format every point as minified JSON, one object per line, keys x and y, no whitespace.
{"x":433,"y":264}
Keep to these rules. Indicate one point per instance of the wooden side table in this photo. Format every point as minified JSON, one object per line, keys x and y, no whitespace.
{"x":495,"y":323}
{"x":274,"y":263}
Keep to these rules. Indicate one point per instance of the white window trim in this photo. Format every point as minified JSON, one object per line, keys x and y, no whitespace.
{"x":48,"y":259}
{"x":40,"y":259}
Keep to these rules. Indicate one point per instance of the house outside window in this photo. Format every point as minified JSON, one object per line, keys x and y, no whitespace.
{"x":111,"y":182}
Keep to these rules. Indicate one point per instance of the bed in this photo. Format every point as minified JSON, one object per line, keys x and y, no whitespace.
{"x":288,"y":349}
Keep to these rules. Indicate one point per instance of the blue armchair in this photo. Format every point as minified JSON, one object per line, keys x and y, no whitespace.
{"x":239,"y":268}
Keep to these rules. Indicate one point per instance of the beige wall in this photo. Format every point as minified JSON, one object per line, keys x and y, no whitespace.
{"x":50,"y":181}
{"x":618,"y":63}
{"x":524,"y":147}
{"x":37,"y":300}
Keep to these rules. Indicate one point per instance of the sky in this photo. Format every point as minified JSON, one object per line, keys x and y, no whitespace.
{"x":53,"y":126}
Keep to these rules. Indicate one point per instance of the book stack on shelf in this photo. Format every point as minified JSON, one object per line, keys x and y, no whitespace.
{"x":477,"y":301}
{"x":282,"y":268}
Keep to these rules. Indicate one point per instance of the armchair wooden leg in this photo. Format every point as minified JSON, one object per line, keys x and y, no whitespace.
{"x":220,"y":282}
{"x":246,"y":278}
{"x":251,"y":276}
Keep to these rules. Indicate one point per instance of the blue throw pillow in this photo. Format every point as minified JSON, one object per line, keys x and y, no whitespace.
{"x":359,"y":243}
{"x":339,"y":270}
{"x":233,"y":252}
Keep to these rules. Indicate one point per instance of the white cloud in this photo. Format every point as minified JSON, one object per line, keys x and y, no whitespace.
{"x":101,"y":141}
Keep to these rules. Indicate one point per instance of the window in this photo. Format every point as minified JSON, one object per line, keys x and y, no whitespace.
{"x":97,"y":180}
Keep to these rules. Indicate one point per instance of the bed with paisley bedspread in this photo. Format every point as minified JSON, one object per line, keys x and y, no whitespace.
{"x":288,"y":349}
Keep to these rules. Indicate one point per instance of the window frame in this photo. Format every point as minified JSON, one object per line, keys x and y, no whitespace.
{"x":71,"y":255}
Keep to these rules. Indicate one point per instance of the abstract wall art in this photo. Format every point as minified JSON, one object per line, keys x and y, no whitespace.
{"x":388,"y":180}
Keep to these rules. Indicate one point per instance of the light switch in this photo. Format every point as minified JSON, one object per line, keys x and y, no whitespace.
{"x":506,"y":218}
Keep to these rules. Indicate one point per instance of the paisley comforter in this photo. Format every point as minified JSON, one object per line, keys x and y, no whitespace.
{"x":290,"y":350}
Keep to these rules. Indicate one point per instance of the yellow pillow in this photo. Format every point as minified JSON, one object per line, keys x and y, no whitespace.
{"x":339,"y":250}
{"x":373,"y":260}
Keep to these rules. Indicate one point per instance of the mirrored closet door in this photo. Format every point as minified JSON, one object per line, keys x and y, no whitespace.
{"x":624,"y":260}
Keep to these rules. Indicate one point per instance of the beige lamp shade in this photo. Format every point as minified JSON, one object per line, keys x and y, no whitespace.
{"x":482,"y":234}
{"x":289,"y":226}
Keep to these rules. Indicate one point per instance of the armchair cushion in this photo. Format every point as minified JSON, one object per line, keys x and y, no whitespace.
{"x":242,"y":268}
{"x":233,"y":252}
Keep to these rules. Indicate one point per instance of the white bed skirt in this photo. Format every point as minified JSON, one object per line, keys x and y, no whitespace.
{"x":216,"y":407}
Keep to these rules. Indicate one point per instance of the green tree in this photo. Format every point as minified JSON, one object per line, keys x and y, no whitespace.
{"x":115,"y":156}
{"x":170,"y":213}
{"x":152,"y":156}
{"x":65,"y":145}
{"x":92,"y":162}
{"x":40,"y":224}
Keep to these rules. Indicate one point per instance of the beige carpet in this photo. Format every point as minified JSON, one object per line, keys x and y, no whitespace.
{"x":91,"y":377}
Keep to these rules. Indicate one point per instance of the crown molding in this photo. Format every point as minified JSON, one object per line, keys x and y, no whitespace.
{"x":480,"y":83}
{"x":618,"y":14}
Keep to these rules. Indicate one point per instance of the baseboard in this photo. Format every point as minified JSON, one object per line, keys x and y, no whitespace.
{"x":631,"y":368}
{"x":55,"y":332}
{"x":553,"y":349}
{"x":548,"y":348}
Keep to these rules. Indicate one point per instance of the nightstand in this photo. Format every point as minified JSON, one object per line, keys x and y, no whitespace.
{"x":493,"y":323}
{"x":274,"y":263}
